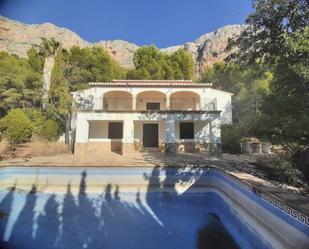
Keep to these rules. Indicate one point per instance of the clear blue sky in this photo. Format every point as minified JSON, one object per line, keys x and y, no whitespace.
{"x":160,"y":22}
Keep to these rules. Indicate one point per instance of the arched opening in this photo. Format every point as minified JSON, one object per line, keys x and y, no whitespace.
{"x":151,"y":100}
{"x":185,"y":100}
{"x":117,"y":101}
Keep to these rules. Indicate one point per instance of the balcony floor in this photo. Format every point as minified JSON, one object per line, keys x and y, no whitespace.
{"x":154,"y":111}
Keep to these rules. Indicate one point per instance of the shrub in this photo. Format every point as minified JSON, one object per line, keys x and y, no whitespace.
{"x":301,"y":160}
{"x":51,"y":130}
{"x":37,"y":118}
{"x":231,"y":136}
{"x":16,"y":126}
{"x":282,"y":169}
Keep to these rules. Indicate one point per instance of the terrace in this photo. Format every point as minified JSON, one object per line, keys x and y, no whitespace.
{"x":116,"y":101}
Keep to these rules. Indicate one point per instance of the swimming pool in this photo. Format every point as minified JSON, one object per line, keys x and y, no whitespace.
{"x":141,"y":208}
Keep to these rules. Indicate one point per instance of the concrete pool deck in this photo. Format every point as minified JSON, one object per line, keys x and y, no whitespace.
{"x":237,"y":165}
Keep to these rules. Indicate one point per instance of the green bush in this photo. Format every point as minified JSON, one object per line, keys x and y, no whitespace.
{"x":301,"y":160}
{"x":51,"y":130}
{"x":16,"y":126}
{"x":37,"y":118}
{"x":282,"y":169}
{"x":231,"y":136}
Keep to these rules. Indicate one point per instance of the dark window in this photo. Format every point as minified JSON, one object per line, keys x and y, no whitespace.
{"x":115,"y":130}
{"x":186,"y":130}
{"x":153,"y":106}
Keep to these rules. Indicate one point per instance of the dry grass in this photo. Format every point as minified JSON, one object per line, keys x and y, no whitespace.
{"x":44,"y":148}
{"x":4,"y":147}
{"x":31,"y":149}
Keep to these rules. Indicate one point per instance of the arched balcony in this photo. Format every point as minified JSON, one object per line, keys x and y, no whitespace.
{"x":150,"y":100}
{"x":185,"y":100}
{"x":117,"y":101}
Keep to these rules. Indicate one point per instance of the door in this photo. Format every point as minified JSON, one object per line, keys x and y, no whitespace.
{"x":150,"y":135}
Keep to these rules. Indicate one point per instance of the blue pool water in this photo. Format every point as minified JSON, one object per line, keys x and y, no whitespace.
{"x":110,"y":215}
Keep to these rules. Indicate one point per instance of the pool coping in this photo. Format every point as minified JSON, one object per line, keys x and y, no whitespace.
{"x":296,"y":212}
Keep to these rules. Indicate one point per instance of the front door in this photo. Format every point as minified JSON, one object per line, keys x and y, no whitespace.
{"x":150,"y":135}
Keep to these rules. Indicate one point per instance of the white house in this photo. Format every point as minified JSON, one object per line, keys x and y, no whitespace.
{"x":170,"y":115}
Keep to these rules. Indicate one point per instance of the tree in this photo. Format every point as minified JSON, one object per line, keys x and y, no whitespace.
{"x":248,"y":84}
{"x":19,"y":83}
{"x":84,"y":65}
{"x":150,"y":63}
{"x":277,"y":36}
{"x":16,"y":126}
{"x":51,"y":130}
{"x":182,"y":64}
{"x":268,"y":27}
{"x":147,"y":62}
{"x":60,"y":101}
{"x":48,"y":49}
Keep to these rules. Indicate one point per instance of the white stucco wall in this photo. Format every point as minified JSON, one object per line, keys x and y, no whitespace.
{"x":224,"y":104}
{"x":206,"y":126}
{"x":98,"y":130}
{"x":223,"y":99}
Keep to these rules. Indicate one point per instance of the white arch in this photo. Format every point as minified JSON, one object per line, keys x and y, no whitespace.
{"x":117,"y":100}
{"x":150,"y":96}
{"x":185,"y":100}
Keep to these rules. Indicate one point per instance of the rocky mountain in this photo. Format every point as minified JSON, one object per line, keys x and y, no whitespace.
{"x":17,"y":38}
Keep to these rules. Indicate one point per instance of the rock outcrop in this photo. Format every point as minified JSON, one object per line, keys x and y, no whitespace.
{"x":17,"y":38}
{"x":121,"y":51}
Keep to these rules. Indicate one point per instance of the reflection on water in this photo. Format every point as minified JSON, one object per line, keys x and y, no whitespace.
{"x":115,"y":218}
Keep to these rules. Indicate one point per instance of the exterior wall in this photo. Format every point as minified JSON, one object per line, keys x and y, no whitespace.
{"x":223,"y":99}
{"x":93,"y":128}
{"x":224,"y":104}
{"x":98,"y":130}
{"x":207,"y":133}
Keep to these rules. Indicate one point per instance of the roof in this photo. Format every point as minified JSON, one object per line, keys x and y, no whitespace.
{"x":151,"y":83}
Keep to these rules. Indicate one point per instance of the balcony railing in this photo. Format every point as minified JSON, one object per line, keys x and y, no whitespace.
{"x":144,"y":104}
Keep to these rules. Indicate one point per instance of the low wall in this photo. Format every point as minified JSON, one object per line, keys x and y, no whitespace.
{"x":213,"y":149}
{"x":86,"y":149}
{"x":122,"y":148}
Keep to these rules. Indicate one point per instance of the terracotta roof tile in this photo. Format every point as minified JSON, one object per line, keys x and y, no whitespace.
{"x":151,"y":83}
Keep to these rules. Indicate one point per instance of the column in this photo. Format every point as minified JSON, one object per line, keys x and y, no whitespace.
{"x":170,"y":129}
{"x":82,"y":128}
{"x":134,"y":102}
{"x":168,"y":102}
{"x":215,"y":136}
{"x":128,"y":131}
{"x":81,"y":134}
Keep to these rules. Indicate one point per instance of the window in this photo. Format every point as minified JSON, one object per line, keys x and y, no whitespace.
{"x":186,"y":130}
{"x":115,"y":130}
{"x":153,"y":106}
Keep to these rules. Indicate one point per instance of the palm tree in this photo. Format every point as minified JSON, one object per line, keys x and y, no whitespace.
{"x":48,"y":48}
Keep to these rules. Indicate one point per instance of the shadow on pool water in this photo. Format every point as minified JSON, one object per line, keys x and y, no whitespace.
{"x":163,"y":219}
{"x":214,"y":235}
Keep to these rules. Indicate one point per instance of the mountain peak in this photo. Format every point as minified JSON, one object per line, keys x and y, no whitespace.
{"x":17,"y":38}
